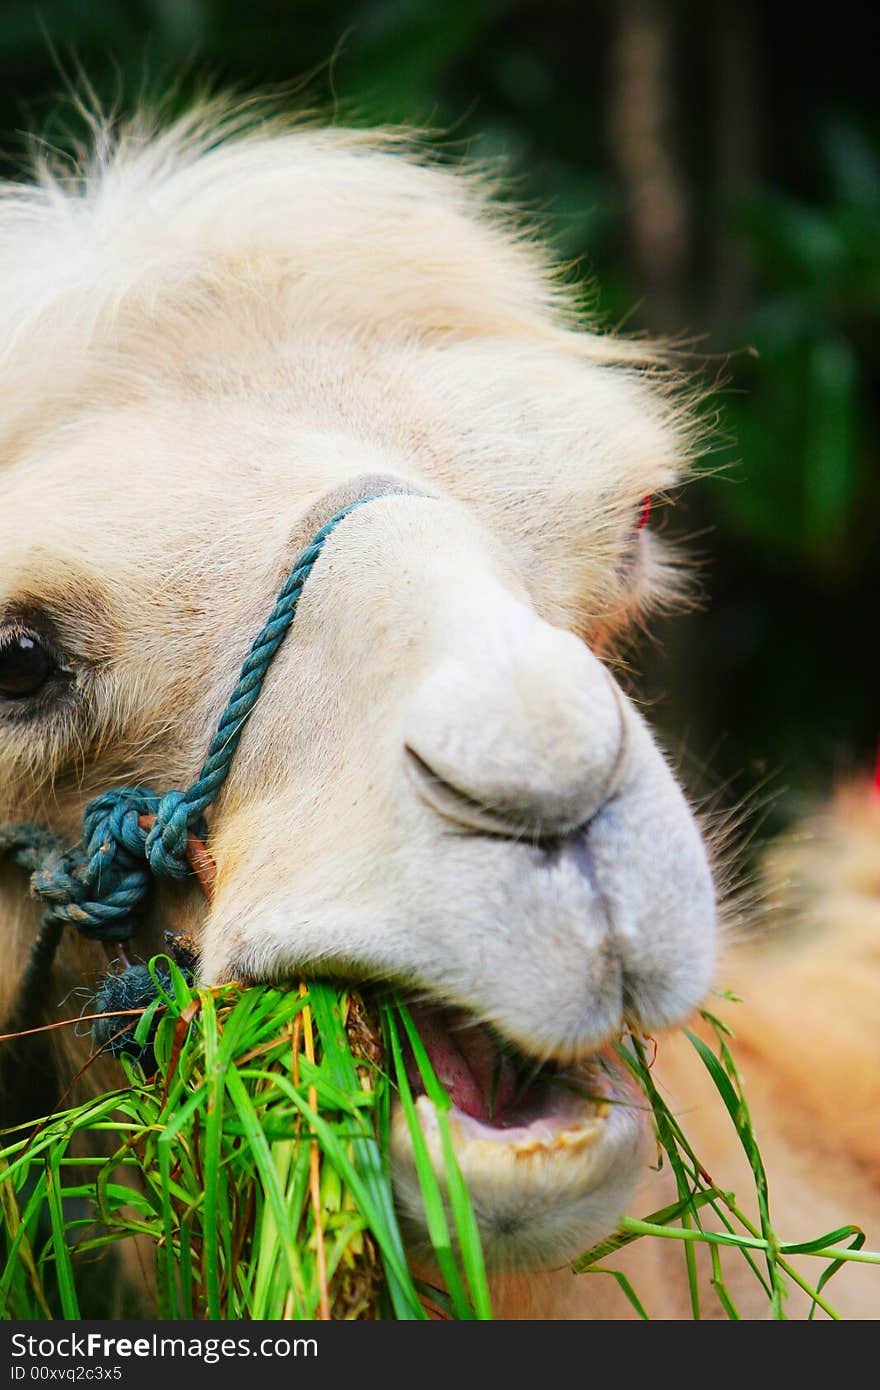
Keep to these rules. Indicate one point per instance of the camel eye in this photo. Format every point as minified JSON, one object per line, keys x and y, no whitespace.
{"x":26,"y":664}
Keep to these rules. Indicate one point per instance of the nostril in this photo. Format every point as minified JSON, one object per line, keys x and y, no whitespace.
{"x":455,"y":804}
{"x":527,"y":741}
{"x":510,"y":817}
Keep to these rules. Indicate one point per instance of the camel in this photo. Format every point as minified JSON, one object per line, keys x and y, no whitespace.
{"x":216,"y":335}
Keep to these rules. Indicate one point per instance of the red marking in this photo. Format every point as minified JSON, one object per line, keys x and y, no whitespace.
{"x":877,"y":774}
{"x":646,"y":512}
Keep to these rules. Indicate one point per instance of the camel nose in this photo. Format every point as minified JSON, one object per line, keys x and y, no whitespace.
{"x":518,"y":731}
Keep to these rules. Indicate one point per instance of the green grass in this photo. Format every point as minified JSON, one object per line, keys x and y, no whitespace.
{"x":767,"y":1256}
{"x":253,"y":1166}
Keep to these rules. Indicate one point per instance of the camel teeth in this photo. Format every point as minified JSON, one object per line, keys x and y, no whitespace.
{"x":567,"y":1140}
{"x":561,"y":1141}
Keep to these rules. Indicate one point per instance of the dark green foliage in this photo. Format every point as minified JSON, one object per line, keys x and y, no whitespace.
{"x":807,"y":425}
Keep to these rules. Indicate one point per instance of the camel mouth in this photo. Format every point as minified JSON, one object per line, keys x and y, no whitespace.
{"x":502,"y":1096}
{"x":550,"y":1152}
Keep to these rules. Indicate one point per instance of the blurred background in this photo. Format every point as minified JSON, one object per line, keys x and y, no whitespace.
{"x":711,"y":171}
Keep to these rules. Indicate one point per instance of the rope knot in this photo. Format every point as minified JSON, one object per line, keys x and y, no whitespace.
{"x":166,"y":844}
{"x":101,"y":887}
{"x":58,"y":878}
{"x":111,"y":829}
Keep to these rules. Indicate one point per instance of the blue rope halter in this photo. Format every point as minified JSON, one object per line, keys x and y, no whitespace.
{"x":101,"y":886}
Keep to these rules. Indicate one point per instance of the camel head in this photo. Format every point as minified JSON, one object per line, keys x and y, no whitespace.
{"x":213,"y":341}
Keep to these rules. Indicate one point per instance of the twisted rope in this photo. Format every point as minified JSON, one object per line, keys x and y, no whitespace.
{"x":132,"y":835}
{"x":179,"y":813}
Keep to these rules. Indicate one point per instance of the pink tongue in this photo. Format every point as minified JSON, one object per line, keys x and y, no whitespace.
{"x":480,"y":1081}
